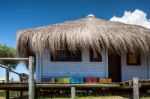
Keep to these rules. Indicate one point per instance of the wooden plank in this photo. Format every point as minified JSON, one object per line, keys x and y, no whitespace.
{"x":110,"y":85}
{"x":24,"y":86}
{"x":19,"y":59}
{"x":41,"y":85}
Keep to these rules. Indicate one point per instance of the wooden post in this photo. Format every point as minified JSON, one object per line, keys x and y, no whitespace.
{"x":135,"y":88}
{"x":21,"y":80}
{"x":31,"y":78}
{"x":73,"y":93}
{"x":37,"y":94}
{"x":7,"y":80}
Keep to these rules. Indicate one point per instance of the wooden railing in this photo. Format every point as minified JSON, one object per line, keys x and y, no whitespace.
{"x":31,"y":88}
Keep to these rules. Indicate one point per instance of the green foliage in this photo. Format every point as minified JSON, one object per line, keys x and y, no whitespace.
{"x":6,"y":52}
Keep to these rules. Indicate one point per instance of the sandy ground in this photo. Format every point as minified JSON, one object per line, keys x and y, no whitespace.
{"x":111,"y":97}
{"x":2,"y":97}
{"x":105,"y":97}
{"x":101,"y":97}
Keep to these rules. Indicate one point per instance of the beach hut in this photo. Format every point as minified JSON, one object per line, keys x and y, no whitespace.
{"x":87,"y":48}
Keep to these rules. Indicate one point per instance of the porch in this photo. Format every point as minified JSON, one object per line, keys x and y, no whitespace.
{"x":75,"y":89}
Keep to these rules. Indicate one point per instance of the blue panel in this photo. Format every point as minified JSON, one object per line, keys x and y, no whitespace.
{"x":75,"y":80}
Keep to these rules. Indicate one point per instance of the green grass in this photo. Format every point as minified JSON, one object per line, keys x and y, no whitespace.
{"x":12,"y":94}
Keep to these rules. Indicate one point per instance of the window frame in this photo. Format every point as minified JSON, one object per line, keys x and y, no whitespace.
{"x":68,"y":58}
{"x":92,"y":59}
{"x":138,"y":58}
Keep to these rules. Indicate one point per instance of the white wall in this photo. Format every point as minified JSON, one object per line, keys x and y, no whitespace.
{"x":82,"y":69}
{"x":129,"y":71}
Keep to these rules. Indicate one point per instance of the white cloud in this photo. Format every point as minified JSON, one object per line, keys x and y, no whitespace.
{"x":136,"y":17}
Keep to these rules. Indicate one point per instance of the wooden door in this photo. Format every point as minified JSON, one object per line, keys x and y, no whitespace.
{"x":114,"y":67}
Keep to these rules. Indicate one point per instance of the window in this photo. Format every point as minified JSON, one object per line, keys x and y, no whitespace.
{"x":95,"y":56}
{"x":133,"y":59}
{"x":66,"y":55}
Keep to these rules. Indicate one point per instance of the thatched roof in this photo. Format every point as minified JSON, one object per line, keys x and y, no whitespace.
{"x":88,"y":32}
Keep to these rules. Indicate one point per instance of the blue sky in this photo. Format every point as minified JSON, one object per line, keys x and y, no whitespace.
{"x":21,"y":14}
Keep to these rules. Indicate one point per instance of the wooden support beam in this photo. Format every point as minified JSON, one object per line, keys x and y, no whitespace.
{"x":135,"y":88}
{"x":37,"y":94}
{"x":6,"y":67}
{"x":7,"y":80}
{"x":31,"y":78}
{"x":73,"y":93}
{"x":21,"y":80}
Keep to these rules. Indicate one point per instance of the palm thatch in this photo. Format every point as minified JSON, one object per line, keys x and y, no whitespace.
{"x":88,"y":32}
